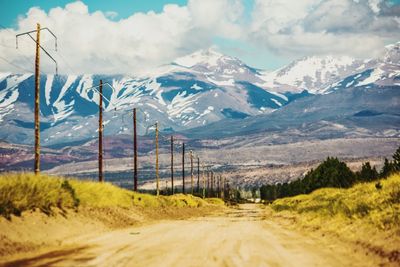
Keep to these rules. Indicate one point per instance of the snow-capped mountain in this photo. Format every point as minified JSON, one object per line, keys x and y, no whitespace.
{"x":313,"y":73}
{"x":192,"y":91}
{"x":384,"y":71}
{"x":195,"y":90}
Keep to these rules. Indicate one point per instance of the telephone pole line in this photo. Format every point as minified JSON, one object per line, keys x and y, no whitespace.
{"x":135,"y":165}
{"x":37,"y":87}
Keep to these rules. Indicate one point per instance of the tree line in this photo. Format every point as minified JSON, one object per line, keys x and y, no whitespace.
{"x":330,"y":173}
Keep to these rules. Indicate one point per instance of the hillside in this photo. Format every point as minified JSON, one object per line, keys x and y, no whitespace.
{"x":41,"y":211}
{"x":366,"y":215}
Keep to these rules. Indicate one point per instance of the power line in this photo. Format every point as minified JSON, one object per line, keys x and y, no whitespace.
{"x":14,"y":65}
{"x":27,"y":60}
{"x":66,"y":63}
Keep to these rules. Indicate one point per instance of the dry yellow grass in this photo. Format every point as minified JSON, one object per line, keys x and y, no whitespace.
{"x":26,"y":191}
{"x":365,"y":213}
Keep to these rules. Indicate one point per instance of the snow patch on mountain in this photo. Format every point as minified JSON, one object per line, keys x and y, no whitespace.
{"x":311,"y":73}
{"x":208,"y":57}
{"x":47,"y":88}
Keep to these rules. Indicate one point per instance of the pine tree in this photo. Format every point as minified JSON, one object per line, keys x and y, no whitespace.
{"x":367,"y":173}
{"x":396,"y":160}
{"x":387,"y":169}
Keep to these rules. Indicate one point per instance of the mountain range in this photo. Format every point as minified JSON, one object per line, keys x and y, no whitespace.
{"x":209,"y":95}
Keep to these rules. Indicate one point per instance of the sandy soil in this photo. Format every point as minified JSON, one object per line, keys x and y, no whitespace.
{"x":234,"y":237}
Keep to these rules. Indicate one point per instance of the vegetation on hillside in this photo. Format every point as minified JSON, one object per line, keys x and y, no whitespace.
{"x":25,"y":191}
{"x":330,"y":173}
{"x":366,"y":214}
{"x":381,"y":205}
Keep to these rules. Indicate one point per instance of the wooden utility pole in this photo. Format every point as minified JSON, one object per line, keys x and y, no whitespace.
{"x":212,"y":184}
{"x":36,"y":166}
{"x":198,"y":175}
{"x":157,"y":176}
{"x":191,"y":171}
{"x":218,"y":186}
{"x":183,"y":168}
{"x":208,"y":183}
{"x":204,"y":183}
{"x":101,"y":131}
{"x":135,"y":166}
{"x":223,"y":188}
{"x":172,"y":164}
{"x":37,"y":103}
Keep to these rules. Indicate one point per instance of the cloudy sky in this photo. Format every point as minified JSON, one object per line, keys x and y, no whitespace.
{"x":130,"y":37}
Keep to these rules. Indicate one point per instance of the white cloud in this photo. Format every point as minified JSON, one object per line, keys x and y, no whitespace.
{"x":98,"y":43}
{"x":358,"y":28}
{"x":94,"y":43}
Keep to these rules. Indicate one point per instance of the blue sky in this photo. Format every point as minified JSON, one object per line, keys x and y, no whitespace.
{"x":265,"y":34}
{"x":124,"y":8}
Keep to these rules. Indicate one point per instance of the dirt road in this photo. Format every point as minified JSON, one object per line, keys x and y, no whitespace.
{"x":237,"y":237}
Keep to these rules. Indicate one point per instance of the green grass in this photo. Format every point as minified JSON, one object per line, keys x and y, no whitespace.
{"x":25,"y":191}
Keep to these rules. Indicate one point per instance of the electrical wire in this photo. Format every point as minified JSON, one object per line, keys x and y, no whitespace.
{"x":18,"y":67}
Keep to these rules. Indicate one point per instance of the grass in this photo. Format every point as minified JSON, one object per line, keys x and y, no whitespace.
{"x":364,"y":213}
{"x":25,"y":191}
{"x":379,"y":207}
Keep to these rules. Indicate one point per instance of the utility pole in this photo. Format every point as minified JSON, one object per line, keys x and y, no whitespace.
{"x":157,"y":176}
{"x":183,"y":168}
{"x":223,"y":187}
{"x":135,"y":166}
{"x":101,"y":132}
{"x":37,"y":103}
{"x":208,"y":182}
{"x":218,"y":186}
{"x":204,"y":183}
{"x":172,"y":164}
{"x":191,"y":170}
{"x":212,"y":184}
{"x":37,"y":87}
{"x":198,"y":175}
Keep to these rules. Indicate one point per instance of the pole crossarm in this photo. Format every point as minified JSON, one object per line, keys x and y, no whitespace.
{"x":100,"y":93}
{"x":41,"y":29}
{"x":150,"y":126}
{"x":41,"y":47}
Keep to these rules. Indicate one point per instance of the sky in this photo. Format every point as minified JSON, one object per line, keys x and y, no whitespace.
{"x":131,"y":37}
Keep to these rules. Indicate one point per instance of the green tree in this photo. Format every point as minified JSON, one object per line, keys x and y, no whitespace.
{"x":387,"y":169}
{"x":330,"y":173}
{"x":367,"y":173}
{"x":396,"y":160}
